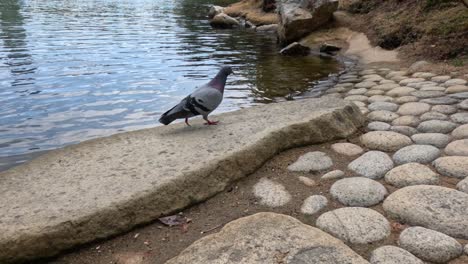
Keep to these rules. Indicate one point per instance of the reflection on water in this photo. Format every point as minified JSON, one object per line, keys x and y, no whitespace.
{"x":74,"y":70}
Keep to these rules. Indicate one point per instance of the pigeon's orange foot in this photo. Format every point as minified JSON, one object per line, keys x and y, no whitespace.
{"x":186,"y":122}
{"x":211,"y":123}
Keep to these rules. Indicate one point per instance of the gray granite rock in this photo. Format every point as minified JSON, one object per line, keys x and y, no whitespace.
{"x":355,"y":225}
{"x":385,"y":140}
{"x":463,"y":104}
{"x":459,"y":96}
{"x":424,"y":75}
{"x":307,"y":181}
{"x":266,"y":238}
{"x":445,"y":100}
{"x":406,"y":121}
{"x":393,"y":255}
{"x":462,"y":185}
{"x":364,"y":110}
{"x":361,"y":98}
{"x":430,"y":245}
{"x":436,"y":126}
{"x":433,"y":88}
{"x":406,"y":99}
{"x":460,"y":132}
{"x":416,"y":153}
{"x":359,"y":103}
{"x":378,"y":126}
{"x":453,"y":82}
{"x":433,"y":116}
{"x":332,"y":175}
{"x":444,"y":109}
{"x":372,"y":164}
{"x":411,"y":174}
{"x":411,"y":80}
{"x":421,"y":84}
{"x":365,"y":84}
{"x":435,"y":207}
{"x":438,"y":140}
{"x":457,"y":148}
{"x":312,"y":161}
{"x":460,"y":118}
{"x":380,"y":98}
{"x":413,"y":108}
{"x":440,"y":78}
{"x":374,"y":92}
{"x":382,"y":116}
{"x":358,"y":191}
{"x":453,"y":166}
{"x":405,"y":130}
{"x":387,"y":106}
{"x":400,"y":91}
{"x":385,"y":86}
{"x":395,"y":73}
{"x":347,"y":149}
{"x":357,"y":91}
{"x":456,"y":89}
{"x":427,"y":94}
{"x":271,"y":193}
{"x":313,"y":204}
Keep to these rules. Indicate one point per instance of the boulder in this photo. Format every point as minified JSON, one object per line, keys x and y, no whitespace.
{"x":215,"y":10}
{"x":329,"y":49}
{"x":268,"y":238}
{"x":294,"y":49}
{"x":224,"y":21}
{"x":270,"y":27}
{"x":298,"y":17}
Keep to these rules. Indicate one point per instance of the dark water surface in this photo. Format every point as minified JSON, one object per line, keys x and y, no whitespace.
{"x":72,"y":70}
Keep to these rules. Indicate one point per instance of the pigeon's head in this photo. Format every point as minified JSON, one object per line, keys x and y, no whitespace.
{"x":226,"y":70}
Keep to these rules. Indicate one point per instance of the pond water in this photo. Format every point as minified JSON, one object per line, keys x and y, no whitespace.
{"x":71,"y":70}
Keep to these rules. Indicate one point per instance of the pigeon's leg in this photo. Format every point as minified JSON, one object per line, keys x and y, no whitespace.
{"x":208,"y":122}
{"x":186,"y":121}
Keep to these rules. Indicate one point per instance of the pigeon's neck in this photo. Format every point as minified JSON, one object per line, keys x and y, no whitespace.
{"x":218,"y":82}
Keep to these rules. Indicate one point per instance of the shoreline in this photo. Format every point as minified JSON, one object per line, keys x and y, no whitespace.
{"x":235,"y":184}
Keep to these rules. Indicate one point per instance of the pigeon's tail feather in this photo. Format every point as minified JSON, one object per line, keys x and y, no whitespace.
{"x":174,"y":113}
{"x":166,"y":120}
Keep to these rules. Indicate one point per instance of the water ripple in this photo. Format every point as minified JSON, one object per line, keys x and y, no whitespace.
{"x":75,"y":70}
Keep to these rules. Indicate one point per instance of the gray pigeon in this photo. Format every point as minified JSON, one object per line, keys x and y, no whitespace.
{"x":202,"y":101}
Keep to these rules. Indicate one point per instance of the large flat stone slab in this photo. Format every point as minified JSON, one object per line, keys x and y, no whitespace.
{"x":268,"y":238}
{"x":106,"y":186}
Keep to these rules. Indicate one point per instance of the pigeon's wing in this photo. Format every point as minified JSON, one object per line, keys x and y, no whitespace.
{"x":178,"y":111}
{"x":204,"y":100}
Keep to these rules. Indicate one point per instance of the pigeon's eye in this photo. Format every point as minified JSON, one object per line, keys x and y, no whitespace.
{"x":200,"y":100}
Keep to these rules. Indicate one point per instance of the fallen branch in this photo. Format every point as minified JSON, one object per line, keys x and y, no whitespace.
{"x":211,"y":229}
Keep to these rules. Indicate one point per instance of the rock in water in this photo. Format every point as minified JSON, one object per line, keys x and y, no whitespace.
{"x":329,"y":49}
{"x":295,"y":48}
{"x":264,"y":28}
{"x":215,"y":10}
{"x":268,"y":238}
{"x":298,"y":17}
{"x":224,"y":21}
